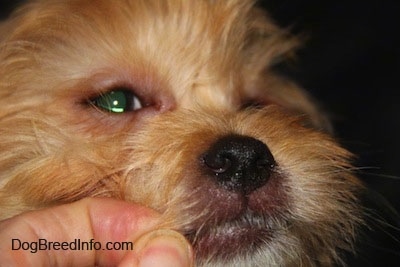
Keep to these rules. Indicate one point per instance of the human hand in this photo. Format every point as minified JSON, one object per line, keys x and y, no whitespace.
{"x":108,"y":223}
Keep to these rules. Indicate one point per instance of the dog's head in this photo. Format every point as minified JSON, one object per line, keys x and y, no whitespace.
{"x":173,"y":105}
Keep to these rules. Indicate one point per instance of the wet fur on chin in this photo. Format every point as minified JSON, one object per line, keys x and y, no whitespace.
{"x":202,"y":71}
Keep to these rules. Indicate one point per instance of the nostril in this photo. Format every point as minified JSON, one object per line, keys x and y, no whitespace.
{"x":239,"y":163}
{"x":217,"y":163}
{"x":265,"y":163}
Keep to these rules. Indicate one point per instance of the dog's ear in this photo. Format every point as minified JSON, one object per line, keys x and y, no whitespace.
{"x":267,"y":45}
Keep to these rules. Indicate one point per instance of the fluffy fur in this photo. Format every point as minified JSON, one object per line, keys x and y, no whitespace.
{"x":202,"y":71}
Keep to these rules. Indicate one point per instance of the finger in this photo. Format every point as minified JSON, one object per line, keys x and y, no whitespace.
{"x":163,"y":247}
{"x":88,"y":220}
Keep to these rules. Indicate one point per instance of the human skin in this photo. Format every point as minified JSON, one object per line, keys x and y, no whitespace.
{"x":99,"y":219}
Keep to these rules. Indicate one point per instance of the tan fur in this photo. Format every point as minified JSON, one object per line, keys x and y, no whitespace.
{"x":198,"y":62}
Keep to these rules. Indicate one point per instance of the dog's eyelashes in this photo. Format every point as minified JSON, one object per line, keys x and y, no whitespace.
{"x":253,"y":104}
{"x":119,"y":100}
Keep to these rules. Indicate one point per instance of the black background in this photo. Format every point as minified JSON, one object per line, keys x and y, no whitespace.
{"x":350,"y":63}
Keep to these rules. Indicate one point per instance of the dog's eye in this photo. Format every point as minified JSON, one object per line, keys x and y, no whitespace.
{"x":117,"y":101}
{"x":253,"y":104}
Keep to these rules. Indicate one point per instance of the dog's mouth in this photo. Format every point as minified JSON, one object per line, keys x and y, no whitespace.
{"x":241,"y":236}
{"x":236,"y":223}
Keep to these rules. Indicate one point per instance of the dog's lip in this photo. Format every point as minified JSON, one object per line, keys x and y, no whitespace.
{"x":240,"y":236}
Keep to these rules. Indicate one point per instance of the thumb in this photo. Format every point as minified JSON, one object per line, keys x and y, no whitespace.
{"x":163,"y":247}
{"x":90,"y":232}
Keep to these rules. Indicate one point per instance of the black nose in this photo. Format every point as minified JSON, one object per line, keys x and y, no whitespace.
{"x":239,"y":163}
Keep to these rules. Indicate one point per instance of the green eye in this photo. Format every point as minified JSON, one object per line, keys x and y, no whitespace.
{"x":118,"y":101}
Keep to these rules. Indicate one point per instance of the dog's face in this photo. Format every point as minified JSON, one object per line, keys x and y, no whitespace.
{"x":172,"y":104}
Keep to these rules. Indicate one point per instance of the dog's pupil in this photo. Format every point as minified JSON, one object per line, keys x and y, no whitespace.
{"x":117,"y":101}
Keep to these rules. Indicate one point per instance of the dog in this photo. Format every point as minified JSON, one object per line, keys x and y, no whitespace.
{"x":175,"y":105}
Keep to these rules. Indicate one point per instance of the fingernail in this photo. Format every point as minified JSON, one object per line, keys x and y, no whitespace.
{"x":165,"y":248}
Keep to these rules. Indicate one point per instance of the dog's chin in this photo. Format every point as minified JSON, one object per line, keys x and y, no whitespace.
{"x":242,"y":224}
{"x":240,"y":237}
